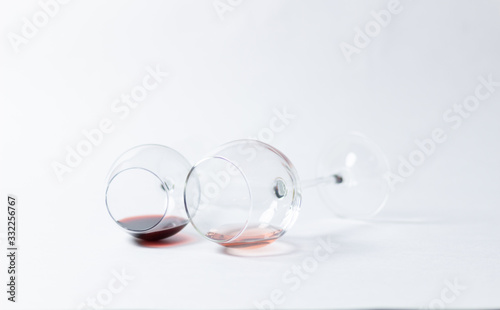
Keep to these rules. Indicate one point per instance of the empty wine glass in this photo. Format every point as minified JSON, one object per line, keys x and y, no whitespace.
{"x":247,"y":194}
{"x":144,"y":192}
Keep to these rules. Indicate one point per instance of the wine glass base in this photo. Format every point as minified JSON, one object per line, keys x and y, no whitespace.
{"x":357,"y":167}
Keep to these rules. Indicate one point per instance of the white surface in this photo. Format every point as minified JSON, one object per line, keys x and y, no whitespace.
{"x":226,"y":77}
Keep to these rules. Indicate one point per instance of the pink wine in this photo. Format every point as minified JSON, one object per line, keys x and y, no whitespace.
{"x":252,"y":237}
{"x":168,"y":227}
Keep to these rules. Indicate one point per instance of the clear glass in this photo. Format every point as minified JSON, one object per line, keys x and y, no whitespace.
{"x":352,"y":180}
{"x":144,"y":192}
{"x":245,"y":194}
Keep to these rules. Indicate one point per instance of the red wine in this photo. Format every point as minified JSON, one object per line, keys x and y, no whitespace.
{"x":168,"y":227}
{"x":252,"y":237}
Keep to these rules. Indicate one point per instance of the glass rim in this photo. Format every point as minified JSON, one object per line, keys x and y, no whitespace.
{"x":156,"y":176}
{"x":247,"y":187}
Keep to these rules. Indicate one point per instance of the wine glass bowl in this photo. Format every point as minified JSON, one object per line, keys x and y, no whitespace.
{"x":144,"y":191}
{"x":246,"y":194}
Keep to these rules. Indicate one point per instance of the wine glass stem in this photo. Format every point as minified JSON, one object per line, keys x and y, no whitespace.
{"x":334,"y":178}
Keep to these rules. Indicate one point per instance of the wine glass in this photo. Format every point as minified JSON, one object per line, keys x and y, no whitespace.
{"x":144,"y":191}
{"x":247,"y":194}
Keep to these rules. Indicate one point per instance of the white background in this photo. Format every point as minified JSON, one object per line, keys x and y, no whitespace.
{"x":226,"y":77}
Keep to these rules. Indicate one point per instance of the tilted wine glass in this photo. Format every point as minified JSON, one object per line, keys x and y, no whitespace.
{"x":247,"y":194}
{"x":144,"y":191}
